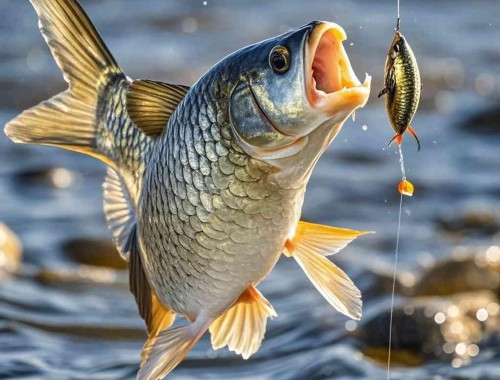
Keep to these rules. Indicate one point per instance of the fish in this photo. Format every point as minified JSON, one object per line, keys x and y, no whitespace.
{"x":402,"y":87}
{"x":205,"y":183}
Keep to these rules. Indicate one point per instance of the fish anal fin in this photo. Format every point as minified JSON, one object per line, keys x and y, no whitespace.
{"x":170,"y":348}
{"x":138,"y":282}
{"x":243,"y":325}
{"x":324,"y":240}
{"x":412,"y":132}
{"x":161,"y":319}
{"x":150,"y":104}
{"x":119,"y":211}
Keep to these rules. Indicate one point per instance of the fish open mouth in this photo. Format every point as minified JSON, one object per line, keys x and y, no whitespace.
{"x":331,"y":84}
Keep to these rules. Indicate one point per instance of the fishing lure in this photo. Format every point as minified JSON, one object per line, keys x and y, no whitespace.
{"x":402,"y":87}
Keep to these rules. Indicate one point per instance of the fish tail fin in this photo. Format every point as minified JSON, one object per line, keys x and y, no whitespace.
{"x":243,"y":325}
{"x":398,"y":137}
{"x":412,"y":132}
{"x":170,"y":348}
{"x":69,"y":119}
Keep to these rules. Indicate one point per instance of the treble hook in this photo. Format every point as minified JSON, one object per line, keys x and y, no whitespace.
{"x":397,"y":25}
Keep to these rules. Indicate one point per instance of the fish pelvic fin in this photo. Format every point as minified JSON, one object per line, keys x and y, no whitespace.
{"x":412,"y":132}
{"x":243,"y":325}
{"x":68,"y":120}
{"x":310,"y":246}
{"x":170,"y":347}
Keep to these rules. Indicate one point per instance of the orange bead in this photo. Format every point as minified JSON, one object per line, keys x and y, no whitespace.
{"x":405,"y":187}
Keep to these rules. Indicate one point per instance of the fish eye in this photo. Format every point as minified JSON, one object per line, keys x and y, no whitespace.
{"x":279,"y":59}
{"x":396,"y":48}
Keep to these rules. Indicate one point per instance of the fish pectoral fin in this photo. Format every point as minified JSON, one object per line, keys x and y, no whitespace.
{"x":170,"y":348}
{"x":331,"y":282}
{"x":161,"y":319}
{"x":383,"y":92}
{"x":412,"y":132}
{"x":119,"y":211}
{"x":150,"y":104}
{"x":323,"y":240}
{"x":310,"y":246}
{"x":243,"y":325}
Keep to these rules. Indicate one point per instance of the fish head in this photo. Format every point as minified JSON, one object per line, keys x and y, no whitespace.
{"x":292,"y":96}
{"x":398,"y":46}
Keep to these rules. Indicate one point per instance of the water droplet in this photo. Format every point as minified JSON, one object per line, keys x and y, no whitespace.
{"x":473,"y":350}
{"x":351,"y":44}
{"x":493,"y":308}
{"x":351,"y":325}
{"x":461,"y":348}
{"x":485,"y":84}
{"x":364,"y":128}
{"x":449,"y":347}
{"x":439,"y":318}
{"x":493,"y":254}
{"x":482,"y":315}
{"x":453,"y":311}
{"x":205,"y":3}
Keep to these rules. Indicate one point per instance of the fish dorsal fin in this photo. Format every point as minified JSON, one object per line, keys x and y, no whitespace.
{"x":119,"y":211}
{"x":150,"y":104}
{"x":243,"y":325}
{"x":309,"y":246}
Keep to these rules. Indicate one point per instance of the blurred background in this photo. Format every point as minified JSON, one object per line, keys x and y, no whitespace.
{"x":65,"y":308}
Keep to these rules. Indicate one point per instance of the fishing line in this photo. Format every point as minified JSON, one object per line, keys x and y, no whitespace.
{"x":397,"y":25}
{"x":403,"y":173}
{"x":401,"y":161}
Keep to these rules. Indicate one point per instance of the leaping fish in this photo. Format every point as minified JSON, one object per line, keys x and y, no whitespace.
{"x":205,"y":185}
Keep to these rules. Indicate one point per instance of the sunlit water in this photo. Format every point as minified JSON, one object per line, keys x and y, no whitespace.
{"x":60,"y":320}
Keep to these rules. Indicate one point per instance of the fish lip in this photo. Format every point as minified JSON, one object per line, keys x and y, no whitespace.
{"x":331,"y":88}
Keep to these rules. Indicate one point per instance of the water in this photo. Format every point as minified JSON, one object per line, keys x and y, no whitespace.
{"x":59,"y":319}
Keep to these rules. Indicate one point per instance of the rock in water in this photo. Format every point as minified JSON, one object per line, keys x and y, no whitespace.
{"x":94,"y":252}
{"x":10,"y":249}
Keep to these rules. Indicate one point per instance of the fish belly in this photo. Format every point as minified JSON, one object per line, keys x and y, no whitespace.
{"x":202,"y":253}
